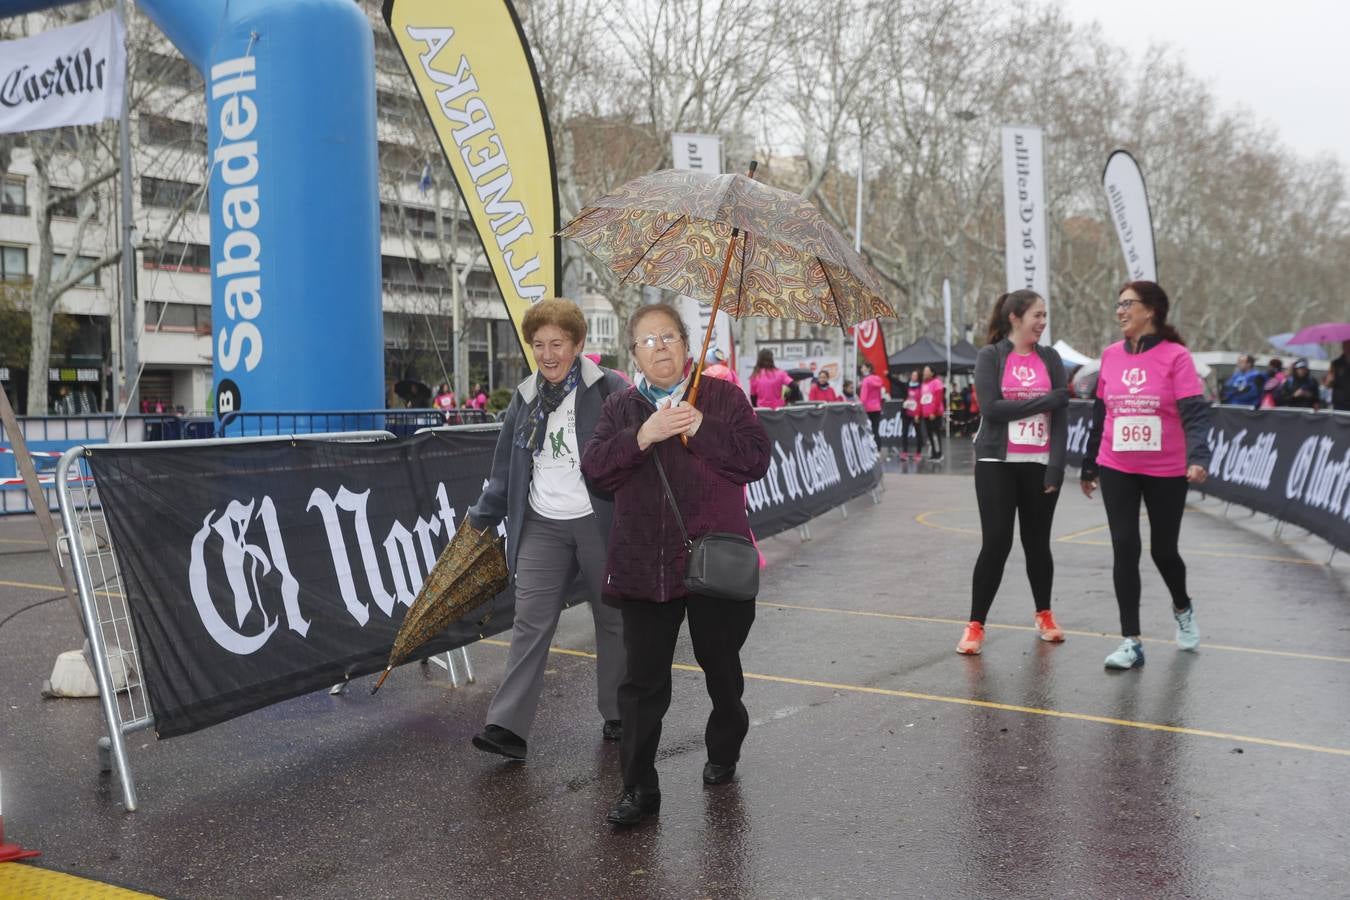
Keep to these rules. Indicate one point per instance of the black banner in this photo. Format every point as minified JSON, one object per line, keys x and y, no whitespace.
{"x":256,"y":573}
{"x":823,"y":455}
{"x":260,"y":572}
{"x":1291,"y":464}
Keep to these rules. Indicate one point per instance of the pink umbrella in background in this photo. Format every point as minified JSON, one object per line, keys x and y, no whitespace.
{"x":1325,"y":333}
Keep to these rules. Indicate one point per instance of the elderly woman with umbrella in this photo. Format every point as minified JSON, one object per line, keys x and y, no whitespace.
{"x":557,"y":526}
{"x":727,"y":449}
{"x":779,"y":258}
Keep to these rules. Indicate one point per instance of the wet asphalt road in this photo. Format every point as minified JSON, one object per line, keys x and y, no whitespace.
{"x":880,"y":763}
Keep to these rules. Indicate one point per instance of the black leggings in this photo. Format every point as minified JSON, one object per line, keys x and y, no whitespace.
{"x":875,"y":419}
{"x":1165,"y":499}
{"x":935,"y":435}
{"x":1005,"y":491}
{"x":908,"y":424}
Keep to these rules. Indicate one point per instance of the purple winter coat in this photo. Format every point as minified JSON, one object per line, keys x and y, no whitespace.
{"x":646,"y":551}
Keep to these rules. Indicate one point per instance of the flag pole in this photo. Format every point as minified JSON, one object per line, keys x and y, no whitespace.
{"x":130,"y":338}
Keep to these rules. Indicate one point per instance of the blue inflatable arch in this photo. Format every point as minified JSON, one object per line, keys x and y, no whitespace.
{"x":294,"y":196}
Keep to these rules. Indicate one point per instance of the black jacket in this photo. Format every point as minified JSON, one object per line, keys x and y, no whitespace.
{"x":991,"y":441}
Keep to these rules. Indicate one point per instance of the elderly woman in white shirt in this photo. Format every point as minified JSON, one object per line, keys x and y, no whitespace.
{"x":556,"y":527}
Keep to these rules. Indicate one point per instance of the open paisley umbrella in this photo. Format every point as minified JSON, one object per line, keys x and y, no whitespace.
{"x":749,"y":249}
{"x":471,"y":571}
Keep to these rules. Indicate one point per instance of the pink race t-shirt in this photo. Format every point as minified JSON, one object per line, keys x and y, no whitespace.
{"x":931,"y":396}
{"x":1026,"y":378}
{"x":1143,"y":434}
{"x":869,"y":392}
{"x":768,"y":386}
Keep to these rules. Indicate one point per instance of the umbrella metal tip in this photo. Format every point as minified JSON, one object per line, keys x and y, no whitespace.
{"x":385,"y":675}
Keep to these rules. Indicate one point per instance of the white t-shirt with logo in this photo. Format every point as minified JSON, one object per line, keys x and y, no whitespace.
{"x":558,"y":490}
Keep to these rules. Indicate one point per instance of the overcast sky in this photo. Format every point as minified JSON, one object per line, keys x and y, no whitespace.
{"x":1288,"y":62}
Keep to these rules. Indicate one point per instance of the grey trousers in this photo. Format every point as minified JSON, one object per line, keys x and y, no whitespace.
{"x":551,"y":554}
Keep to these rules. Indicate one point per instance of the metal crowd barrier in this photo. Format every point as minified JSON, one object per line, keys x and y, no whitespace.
{"x":401,"y":422}
{"x":87,"y":545}
{"x":47,"y":438}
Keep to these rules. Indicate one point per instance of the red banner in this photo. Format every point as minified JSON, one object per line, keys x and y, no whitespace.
{"x":872,"y":345}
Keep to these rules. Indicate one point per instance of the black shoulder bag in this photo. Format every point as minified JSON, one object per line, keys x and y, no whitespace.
{"x":721,"y":565}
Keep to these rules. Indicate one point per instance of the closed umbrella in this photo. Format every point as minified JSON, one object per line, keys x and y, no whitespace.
{"x":471,"y":571}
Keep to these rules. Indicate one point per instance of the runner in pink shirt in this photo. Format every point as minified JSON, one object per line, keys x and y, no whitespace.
{"x":1148,"y":443}
{"x":932,"y":405}
{"x":767,"y":382}
{"x":1019,"y":458}
{"x":872,"y":392}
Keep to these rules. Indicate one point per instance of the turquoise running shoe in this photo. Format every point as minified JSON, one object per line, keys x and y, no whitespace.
{"x":1188,"y":633}
{"x":1129,"y":655}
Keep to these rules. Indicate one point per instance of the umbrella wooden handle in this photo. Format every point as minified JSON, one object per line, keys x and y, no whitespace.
{"x":387,"y":670}
{"x":717,"y":303}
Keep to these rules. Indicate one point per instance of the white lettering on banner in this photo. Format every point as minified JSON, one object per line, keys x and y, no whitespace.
{"x":1318,"y":482}
{"x":240,"y":211}
{"x":460,"y":104}
{"x":236,"y":554}
{"x":1246,"y":464}
{"x":1079,"y":432}
{"x":246,"y":564}
{"x":892,"y":426}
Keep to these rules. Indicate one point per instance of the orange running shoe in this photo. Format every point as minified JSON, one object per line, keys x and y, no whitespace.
{"x":1048,"y":628}
{"x":972,"y":640}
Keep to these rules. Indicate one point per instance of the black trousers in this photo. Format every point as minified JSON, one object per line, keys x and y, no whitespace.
{"x":875,"y":419}
{"x":717,"y":629}
{"x":1004,"y":492}
{"x":935,"y":435}
{"x":1165,"y":499}
{"x":915,"y":424}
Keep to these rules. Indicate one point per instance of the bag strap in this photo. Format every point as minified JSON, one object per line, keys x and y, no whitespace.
{"x":670,"y":495}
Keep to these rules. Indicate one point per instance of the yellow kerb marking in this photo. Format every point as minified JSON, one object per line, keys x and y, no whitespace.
{"x":986,"y":704}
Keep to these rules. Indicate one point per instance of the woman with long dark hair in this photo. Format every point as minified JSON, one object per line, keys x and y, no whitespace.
{"x":1019,"y":453}
{"x":1148,"y":444}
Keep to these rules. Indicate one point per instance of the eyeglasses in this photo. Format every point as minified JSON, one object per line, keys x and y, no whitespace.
{"x":650,"y":341}
{"x":1122,"y":305}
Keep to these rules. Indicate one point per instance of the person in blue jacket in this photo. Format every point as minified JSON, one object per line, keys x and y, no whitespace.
{"x":1243,"y":387}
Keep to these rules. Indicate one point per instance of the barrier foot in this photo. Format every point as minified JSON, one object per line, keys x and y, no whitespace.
{"x":468,"y":666}
{"x":1332,"y":556}
{"x":337,"y":689}
{"x":804,"y":532}
{"x":843,"y":509}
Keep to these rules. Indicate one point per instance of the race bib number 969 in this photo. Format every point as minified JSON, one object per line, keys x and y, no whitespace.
{"x":1134,"y":434}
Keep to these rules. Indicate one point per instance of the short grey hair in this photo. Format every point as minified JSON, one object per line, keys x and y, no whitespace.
{"x":630,"y":331}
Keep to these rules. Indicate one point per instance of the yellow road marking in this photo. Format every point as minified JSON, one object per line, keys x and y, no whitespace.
{"x":1084,"y":532}
{"x":1091,"y":634}
{"x":922,"y":519}
{"x":51,"y":587}
{"x":988,"y":704}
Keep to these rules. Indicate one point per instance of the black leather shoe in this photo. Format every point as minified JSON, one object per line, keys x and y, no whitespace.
{"x":715,"y":774}
{"x":496,"y":739}
{"x":613,"y":730}
{"x":633,"y":804}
